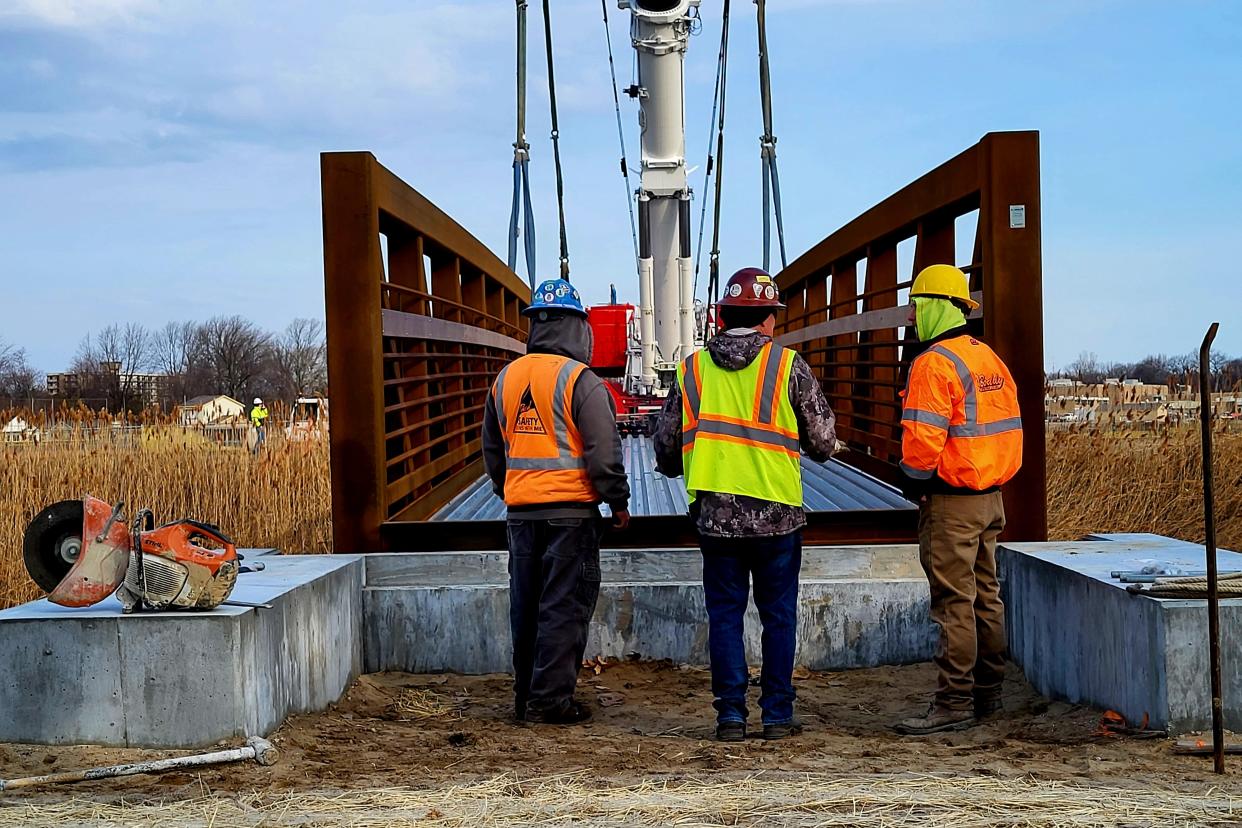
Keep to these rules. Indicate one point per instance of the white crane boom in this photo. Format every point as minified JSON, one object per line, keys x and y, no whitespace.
{"x":660,"y":32}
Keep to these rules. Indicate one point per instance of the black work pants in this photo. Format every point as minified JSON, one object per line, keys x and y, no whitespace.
{"x":553,"y":586}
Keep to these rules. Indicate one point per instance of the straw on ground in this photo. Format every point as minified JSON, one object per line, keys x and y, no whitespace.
{"x":904,"y":801}
{"x":425,"y":704}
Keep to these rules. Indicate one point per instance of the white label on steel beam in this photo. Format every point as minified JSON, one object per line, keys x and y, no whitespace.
{"x":1017,"y":216}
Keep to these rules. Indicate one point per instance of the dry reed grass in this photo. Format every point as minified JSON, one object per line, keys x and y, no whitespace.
{"x":281,"y":498}
{"x":1119,"y":481}
{"x":904,"y":801}
{"x":1104,"y":480}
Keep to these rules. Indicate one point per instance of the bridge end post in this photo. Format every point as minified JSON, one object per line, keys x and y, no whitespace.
{"x":353,"y":270}
{"x":1010,"y":228}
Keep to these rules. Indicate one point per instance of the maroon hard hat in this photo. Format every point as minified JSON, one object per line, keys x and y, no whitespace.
{"x":751,"y":287}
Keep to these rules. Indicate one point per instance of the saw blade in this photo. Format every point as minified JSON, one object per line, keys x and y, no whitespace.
{"x":53,"y":542}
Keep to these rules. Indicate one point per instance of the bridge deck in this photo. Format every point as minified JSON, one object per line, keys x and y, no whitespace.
{"x":827,"y":487}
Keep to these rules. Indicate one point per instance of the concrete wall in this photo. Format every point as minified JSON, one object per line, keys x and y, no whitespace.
{"x":1082,"y":638}
{"x":93,"y":676}
{"x":859,"y":607}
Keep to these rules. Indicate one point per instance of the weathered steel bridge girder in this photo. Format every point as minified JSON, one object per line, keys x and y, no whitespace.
{"x":421,"y":317}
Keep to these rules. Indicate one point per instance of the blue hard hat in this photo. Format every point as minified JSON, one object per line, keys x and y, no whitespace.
{"x":556,"y":295}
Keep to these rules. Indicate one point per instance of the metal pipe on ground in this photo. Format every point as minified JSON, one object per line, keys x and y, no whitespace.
{"x":1209,"y":525}
{"x":257,"y":748}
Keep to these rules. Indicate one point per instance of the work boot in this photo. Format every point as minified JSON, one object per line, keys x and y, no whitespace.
{"x":937,"y":720}
{"x":731,"y":732}
{"x":573,"y":713}
{"x":988,"y":704}
{"x":783,"y":730}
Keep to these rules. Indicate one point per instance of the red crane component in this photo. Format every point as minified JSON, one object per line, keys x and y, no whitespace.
{"x":611,"y":326}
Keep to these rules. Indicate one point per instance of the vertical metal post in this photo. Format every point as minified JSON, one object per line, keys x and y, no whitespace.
{"x":1209,"y":525}
{"x":352,"y":274}
{"x":1013,"y":319}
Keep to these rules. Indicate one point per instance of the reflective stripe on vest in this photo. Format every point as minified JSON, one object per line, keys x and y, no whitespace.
{"x":975,"y":454}
{"x":545,"y":459}
{"x":739,"y":430}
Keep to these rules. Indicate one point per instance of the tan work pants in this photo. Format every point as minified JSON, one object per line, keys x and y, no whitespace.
{"x":957,"y":547}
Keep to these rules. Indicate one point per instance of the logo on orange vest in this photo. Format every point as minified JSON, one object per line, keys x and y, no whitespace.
{"x":528,"y":419}
{"x":993,"y":383}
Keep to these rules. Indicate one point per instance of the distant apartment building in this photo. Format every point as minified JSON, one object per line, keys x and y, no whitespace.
{"x":144,"y":389}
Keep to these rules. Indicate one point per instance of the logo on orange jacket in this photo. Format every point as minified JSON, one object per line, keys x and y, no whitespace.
{"x":528,"y":419}
{"x":995,"y":382}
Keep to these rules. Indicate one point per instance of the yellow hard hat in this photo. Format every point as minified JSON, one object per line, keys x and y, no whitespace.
{"x":942,"y":281}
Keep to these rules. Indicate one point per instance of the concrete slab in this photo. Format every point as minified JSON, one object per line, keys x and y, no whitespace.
{"x":1081,"y":637}
{"x":93,"y":676}
{"x":859,"y":607}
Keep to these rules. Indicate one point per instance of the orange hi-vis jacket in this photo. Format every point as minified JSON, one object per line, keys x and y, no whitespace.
{"x":960,"y":421}
{"x":545,"y":459}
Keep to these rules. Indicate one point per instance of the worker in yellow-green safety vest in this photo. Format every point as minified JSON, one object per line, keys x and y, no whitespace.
{"x":258,"y":418}
{"x":735,"y":426}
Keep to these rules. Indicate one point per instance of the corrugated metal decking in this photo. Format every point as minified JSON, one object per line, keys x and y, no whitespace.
{"x":828,"y":487}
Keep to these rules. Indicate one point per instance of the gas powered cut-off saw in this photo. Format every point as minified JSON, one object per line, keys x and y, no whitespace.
{"x":82,"y":551}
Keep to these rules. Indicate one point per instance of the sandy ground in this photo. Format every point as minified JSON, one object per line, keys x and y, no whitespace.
{"x":651,"y":720}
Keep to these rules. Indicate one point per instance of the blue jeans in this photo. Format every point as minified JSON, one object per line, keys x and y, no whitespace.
{"x":729,"y":565}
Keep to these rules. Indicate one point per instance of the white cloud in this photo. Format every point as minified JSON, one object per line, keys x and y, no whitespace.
{"x":77,"y":13}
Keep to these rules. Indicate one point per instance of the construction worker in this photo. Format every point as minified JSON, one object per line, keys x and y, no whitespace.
{"x":551,"y":448}
{"x":733,"y":426}
{"x":258,"y":418}
{"x":961,"y":441}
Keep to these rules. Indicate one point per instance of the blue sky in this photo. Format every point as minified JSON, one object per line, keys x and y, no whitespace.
{"x":159,"y":160}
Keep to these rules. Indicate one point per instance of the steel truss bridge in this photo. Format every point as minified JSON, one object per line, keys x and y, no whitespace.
{"x":421,"y":317}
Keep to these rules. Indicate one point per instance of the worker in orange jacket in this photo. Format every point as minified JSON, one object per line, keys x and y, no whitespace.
{"x":551,"y":449}
{"x":961,"y":441}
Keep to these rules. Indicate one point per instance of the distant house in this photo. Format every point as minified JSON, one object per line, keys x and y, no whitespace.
{"x":209,"y":410}
{"x":18,"y":430}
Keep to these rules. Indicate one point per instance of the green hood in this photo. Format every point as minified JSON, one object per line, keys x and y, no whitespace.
{"x":933,"y":316}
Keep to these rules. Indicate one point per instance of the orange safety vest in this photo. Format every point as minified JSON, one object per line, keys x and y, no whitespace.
{"x":546,"y":461}
{"x":961,"y":419}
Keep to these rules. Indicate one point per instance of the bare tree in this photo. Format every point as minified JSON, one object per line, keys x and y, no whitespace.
{"x":234,"y":351}
{"x":108,"y":364}
{"x":300,"y":359}
{"x":173,"y":347}
{"x":17,"y":378}
{"x":1086,"y":369}
{"x":176,"y":353}
{"x":1217,"y":363}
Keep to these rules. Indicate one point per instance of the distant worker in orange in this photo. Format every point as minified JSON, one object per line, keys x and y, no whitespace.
{"x":961,"y":441}
{"x":551,"y":449}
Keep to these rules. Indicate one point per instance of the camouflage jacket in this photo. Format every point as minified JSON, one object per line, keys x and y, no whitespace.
{"x":737,"y":516}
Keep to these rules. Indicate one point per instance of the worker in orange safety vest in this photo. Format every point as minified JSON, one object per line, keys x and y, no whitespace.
{"x":961,"y":441}
{"x":551,"y":449}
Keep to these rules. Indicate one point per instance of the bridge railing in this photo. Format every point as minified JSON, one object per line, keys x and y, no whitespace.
{"x":421,"y":317}
{"x":847,"y":304}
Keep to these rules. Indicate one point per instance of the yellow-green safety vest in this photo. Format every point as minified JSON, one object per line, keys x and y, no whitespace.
{"x":739,"y":430}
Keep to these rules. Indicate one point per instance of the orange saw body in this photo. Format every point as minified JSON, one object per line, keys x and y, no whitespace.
{"x":82,"y":551}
